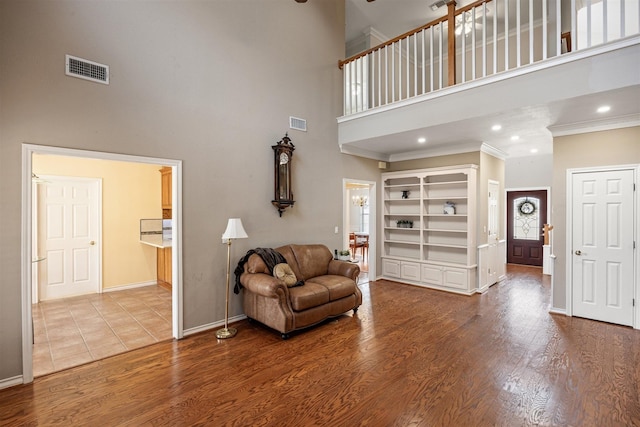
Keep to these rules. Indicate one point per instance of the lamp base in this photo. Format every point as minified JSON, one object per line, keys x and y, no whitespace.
{"x":226,"y":333}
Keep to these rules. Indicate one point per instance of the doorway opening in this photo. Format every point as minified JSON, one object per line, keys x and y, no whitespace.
{"x":359,"y":219}
{"x":30,"y":234}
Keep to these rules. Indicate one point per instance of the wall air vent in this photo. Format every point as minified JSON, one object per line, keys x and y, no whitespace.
{"x":298,"y":124}
{"x":88,"y":70}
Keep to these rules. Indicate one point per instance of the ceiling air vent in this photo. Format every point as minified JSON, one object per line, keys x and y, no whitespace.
{"x":85,"y":69}
{"x":298,"y":124}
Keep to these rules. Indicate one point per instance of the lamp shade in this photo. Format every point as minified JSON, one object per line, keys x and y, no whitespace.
{"x":234,"y":230}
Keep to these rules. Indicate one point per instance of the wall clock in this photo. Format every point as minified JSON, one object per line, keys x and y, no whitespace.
{"x":283,"y":155}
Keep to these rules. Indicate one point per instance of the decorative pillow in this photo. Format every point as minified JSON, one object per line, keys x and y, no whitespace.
{"x":285,"y":273}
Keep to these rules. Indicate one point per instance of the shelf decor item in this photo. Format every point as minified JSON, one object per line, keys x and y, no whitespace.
{"x":405,"y":194}
{"x":234,"y":230}
{"x":450,"y":208}
{"x":403,"y":223}
{"x":282,"y":155}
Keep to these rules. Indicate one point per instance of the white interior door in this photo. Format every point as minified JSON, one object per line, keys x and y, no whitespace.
{"x":602,"y":245}
{"x":69,"y":237}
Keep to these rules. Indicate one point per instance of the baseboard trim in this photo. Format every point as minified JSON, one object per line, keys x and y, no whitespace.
{"x":562,"y":311}
{"x":213,"y":325}
{"x":131,"y":286}
{"x":11,"y":382}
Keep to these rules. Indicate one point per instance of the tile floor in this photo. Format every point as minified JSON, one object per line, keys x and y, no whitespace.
{"x":72,"y":331}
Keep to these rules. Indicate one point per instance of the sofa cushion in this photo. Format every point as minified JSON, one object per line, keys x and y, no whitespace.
{"x":283,"y":272}
{"x":312,"y":260}
{"x":338,"y":286}
{"x":308,"y":296}
{"x":288,"y":254}
{"x":255,"y":264}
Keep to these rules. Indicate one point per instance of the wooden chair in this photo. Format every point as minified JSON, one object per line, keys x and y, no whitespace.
{"x":356,"y":242}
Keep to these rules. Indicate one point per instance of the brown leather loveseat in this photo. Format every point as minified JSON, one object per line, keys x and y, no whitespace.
{"x":330,"y":289}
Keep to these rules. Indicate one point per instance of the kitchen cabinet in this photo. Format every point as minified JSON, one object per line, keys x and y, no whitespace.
{"x":164,"y":267}
{"x":165,"y":174}
{"x":164,"y":254}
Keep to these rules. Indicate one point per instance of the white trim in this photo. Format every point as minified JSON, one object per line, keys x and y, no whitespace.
{"x":569,"y":236}
{"x":26,"y":237}
{"x":214,"y":325}
{"x":493,"y":151}
{"x":130,"y":286}
{"x":619,"y":122}
{"x":361,"y":152}
{"x":443,"y":150}
{"x":554,"y":310}
{"x":10,"y":382}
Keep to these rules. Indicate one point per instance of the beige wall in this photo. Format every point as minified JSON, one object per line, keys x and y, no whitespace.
{"x":472,"y":158}
{"x":607,"y":148}
{"x":209,"y":83}
{"x":130,"y":192}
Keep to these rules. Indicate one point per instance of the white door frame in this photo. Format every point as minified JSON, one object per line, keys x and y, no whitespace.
{"x":372,"y":220}
{"x":569,"y":235}
{"x":26,"y":237}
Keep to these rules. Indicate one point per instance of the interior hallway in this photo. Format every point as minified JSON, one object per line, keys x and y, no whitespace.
{"x":73,"y":331}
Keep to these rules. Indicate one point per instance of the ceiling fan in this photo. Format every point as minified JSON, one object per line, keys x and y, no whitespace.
{"x":468,"y":24}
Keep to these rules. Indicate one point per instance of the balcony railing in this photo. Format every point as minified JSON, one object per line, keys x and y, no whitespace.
{"x":482,"y":39}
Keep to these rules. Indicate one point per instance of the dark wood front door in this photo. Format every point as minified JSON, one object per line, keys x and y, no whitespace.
{"x":526,"y":216}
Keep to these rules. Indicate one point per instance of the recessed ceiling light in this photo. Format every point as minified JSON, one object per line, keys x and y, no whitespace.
{"x":604,"y":109}
{"x":422,"y":140}
{"x":515,"y":138}
{"x":496,"y":127}
{"x":533,"y":150}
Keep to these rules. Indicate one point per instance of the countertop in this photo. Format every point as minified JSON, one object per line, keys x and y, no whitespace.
{"x":155,"y":240}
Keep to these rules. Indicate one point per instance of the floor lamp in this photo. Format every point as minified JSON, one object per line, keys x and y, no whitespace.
{"x":234,"y":230}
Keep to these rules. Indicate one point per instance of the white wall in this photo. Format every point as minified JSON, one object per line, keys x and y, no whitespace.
{"x":529,"y":172}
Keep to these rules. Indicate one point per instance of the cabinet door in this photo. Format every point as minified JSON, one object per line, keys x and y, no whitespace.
{"x":167,"y":265}
{"x":431,"y":274}
{"x":455,"y":278}
{"x":391,"y":268}
{"x":160,"y":270}
{"x":410,"y":271}
{"x":166,"y":187}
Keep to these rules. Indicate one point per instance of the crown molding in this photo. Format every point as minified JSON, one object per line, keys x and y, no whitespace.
{"x":619,"y":122}
{"x":492,"y":151}
{"x":446,"y":150}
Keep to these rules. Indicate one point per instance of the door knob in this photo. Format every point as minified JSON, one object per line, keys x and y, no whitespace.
{"x":92,"y":242}
{"x":578,"y":252}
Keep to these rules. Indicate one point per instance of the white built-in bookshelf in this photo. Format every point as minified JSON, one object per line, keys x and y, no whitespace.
{"x":429,"y":227}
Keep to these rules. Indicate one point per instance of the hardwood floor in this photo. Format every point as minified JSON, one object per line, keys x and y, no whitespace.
{"x":410,"y":357}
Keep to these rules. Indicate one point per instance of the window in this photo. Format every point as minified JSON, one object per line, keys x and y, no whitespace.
{"x":526,"y":218}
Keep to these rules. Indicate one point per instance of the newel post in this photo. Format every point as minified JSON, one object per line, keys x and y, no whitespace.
{"x":451,"y":18}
